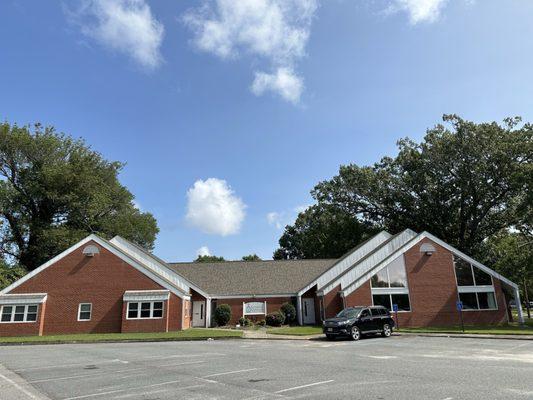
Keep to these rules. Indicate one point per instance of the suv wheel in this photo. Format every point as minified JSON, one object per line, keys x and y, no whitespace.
{"x":355,"y":333}
{"x":386,"y":332}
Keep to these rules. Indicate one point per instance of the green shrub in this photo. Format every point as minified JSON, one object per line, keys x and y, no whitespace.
{"x":243,"y":321}
{"x":261,"y":322}
{"x":275,"y":319}
{"x":222,"y":314}
{"x":289,"y":311}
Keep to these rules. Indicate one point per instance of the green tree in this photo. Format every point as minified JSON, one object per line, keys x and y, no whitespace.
{"x":55,"y":190}
{"x":251,"y":257}
{"x":209,"y":259}
{"x":322,"y":231}
{"x":9,"y":274}
{"x":463,"y":183}
{"x":511,"y":254}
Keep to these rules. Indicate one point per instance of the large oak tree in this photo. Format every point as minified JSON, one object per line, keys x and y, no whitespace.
{"x":54,"y":190}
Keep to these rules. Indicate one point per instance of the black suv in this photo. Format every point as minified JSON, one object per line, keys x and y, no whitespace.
{"x":357,"y":321}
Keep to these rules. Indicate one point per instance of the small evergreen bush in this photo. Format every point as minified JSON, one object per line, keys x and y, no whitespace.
{"x":275,"y":319}
{"x":222,"y":314}
{"x":289,"y":311}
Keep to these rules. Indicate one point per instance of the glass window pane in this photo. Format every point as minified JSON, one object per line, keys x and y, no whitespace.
{"x":85,"y":315}
{"x":481,"y":277}
{"x":158,"y":305}
{"x":158,"y":313}
{"x":463,"y":271}
{"x":380,"y":279}
{"x":32,"y":309}
{"x":402,"y":300}
{"x":486,"y":301}
{"x":19,"y":317}
{"x":6,"y":313}
{"x":31,"y":317}
{"x":145,"y":310}
{"x":132,"y":310}
{"x":382,"y":300}
{"x":133,"y":306}
{"x":469,"y":301}
{"x":19,"y":309}
{"x":397,"y":276}
{"x":85,"y":307}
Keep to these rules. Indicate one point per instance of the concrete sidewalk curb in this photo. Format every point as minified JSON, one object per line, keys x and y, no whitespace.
{"x":465,"y":335}
{"x":52,"y":342}
{"x":14,"y":387}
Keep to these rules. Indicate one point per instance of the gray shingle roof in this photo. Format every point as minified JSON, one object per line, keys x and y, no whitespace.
{"x":252,"y":277}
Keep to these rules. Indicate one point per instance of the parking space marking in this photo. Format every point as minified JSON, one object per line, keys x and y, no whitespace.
{"x":230,"y":372}
{"x":85,"y":396}
{"x":180,"y":356}
{"x":183,"y":363}
{"x":19,"y":388}
{"x":304,"y":386}
{"x":98,"y":374}
{"x":383,"y":357}
{"x":70,"y":365}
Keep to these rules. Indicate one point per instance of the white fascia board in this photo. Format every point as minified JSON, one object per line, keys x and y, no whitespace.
{"x":154,"y":264}
{"x":23,"y":298}
{"x":251,"y":296}
{"x":362,"y":279}
{"x":48,"y":263}
{"x":118,"y":252}
{"x":370,"y":261}
{"x":146,"y":295}
{"x":347,"y":261}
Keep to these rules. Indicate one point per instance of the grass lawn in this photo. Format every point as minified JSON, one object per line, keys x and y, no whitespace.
{"x":188,"y":334}
{"x":508,"y":329}
{"x":296,"y":330}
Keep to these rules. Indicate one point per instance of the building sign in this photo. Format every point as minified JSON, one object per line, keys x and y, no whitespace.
{"x":254,"y":308}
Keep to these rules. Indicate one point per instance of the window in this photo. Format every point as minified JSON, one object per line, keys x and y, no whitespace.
{"x":475,"y":286}
{"x":145,"y":310}
{"x":387,"y":300}
{"x":84,"y":311}
{"x":19,"y":313}
{"x":392,"y":276}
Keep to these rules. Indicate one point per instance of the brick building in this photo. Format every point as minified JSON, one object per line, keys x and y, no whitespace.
{"x":99,"y":286}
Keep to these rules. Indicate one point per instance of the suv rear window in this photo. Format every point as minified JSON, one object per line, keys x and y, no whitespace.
{"x":379,"y":311}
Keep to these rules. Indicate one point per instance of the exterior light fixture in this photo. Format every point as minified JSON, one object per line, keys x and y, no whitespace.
{"x":90,"y":251}
{"x":428,"y":249}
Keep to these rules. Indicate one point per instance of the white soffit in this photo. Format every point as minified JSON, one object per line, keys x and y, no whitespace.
{"x":23,"y":298}
{"x":146,"y":295}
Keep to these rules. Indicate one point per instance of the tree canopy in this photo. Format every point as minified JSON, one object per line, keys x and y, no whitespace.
{"x":465,"y":182}
{"x":209,"y":259}
{"x":54,"y":190}
{"x":251,"y":257}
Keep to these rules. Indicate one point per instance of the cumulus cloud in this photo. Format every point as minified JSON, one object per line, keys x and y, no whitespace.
{"x":419,"y":10}
{"x":274,"y":218}
{"x":284,"y":81}
{"x":283,"y":218}
{"x":203,"y":251}
{"x":276,"y":31}
{"x":125,"y":26}
{"x":213,"y":207}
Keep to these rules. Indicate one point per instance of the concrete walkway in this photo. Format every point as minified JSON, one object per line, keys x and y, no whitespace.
{"x":262,"y":334}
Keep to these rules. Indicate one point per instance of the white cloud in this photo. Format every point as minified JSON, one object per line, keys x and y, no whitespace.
{"x":283,"y":218}
{"x":203,"y":251}
{"x":284,"y":81}
{"x":213,"y":207}
{"x":419,"y":10}
{"x":274,"y":218}
{"x":126,"y":26}
{"x":274,"y":30}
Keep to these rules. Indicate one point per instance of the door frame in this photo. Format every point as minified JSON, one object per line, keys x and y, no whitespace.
{"x":305,"y":302}
{"x":194,"y":322}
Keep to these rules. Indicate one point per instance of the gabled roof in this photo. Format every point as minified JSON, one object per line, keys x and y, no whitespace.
{"x":161,"y":280}
{"x":252,"y":278}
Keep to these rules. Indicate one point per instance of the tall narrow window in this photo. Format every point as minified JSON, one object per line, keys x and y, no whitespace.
{"x":475,"y":286}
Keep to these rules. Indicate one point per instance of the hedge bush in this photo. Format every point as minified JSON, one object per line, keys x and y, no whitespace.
{"x":289,"y":311}
{"x":222,"y":314}
{"x":243,"y":321}
{"x":261,"y":322}
{"x":275,"y":319}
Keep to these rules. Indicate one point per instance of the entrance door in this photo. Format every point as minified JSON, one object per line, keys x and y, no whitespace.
{"x":308,"y":306}
{"x":198,"y":313}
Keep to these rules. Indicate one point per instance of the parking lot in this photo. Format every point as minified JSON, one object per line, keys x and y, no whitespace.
{"x":375,"y":368}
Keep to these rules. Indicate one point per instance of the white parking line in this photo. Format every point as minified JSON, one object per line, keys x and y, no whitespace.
{"x":61,"y":378}
{"x":180,"y":356}
{"x":85,"y":396}
{"x":71,"y":365}
{"x":304,"y":386}
{"x":230,"y":372}
{"x":183,"y":363}
{"x":18,"y":387}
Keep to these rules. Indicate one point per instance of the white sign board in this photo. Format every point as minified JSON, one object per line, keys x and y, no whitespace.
{"x":254,"y":308}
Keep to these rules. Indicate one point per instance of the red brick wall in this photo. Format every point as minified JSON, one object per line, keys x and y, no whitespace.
{"x":432,"y":292}
{"x":332,"y":302}
{"x":100,"y":280}
{"x":273,"y":304}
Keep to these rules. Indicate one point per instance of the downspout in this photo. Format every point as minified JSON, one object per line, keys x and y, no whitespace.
{"x":300,"y":310}
{"x":208,"y":312}
{"x":518,"y":305}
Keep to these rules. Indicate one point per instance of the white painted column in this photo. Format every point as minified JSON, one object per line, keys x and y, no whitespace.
{"x":518,"y":305}
{"x":208,"y":312}
{"x":300,"y":310}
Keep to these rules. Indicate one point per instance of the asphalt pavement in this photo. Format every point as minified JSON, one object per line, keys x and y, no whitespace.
{"x":404,"y":367}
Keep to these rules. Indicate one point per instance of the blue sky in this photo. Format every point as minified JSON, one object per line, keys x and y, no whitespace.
{"x":228,"y":113}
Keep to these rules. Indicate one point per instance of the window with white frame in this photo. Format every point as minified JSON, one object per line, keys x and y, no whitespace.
{"x":85,"y":311}
{"x":389,"y":286}
{"x":145,"y":310}
{"x":18,"y":313}
{"x":475,"y":286}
